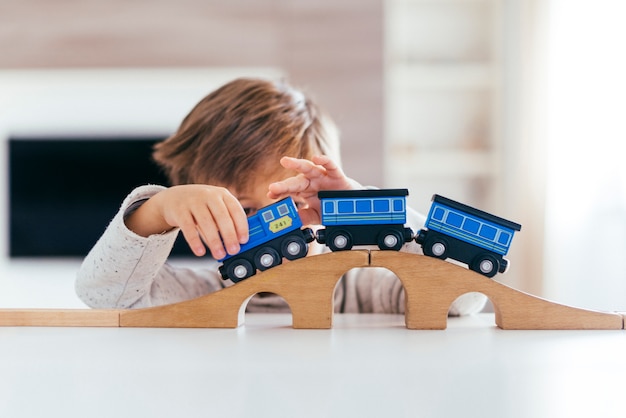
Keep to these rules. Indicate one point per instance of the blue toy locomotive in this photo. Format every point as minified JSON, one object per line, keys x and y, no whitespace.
{"x":275,"y":231}
{"x":373,"y":217}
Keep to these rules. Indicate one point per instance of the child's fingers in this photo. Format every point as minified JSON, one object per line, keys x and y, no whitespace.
{"x":306,"y":167}
{"x":330,"y":167}
{"x":193,"y":239}
{"x":289,"y":186}
{"x":218,"y":229}
{"x":207,"y":217}
{"x":335,"y":174}
{"x":276,"y":191}
{"x":209,"y":232}
{"x":319,"y":173}
{"x":239,"y":218}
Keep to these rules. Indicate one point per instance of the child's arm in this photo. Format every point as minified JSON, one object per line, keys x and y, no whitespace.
{"x":319,"y":173}
{"x":124,"y":270}
{"x":203,"y":213}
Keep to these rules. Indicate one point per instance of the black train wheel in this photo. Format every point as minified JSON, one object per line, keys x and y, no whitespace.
{"x":390,"y":240}
{"x":339,"y":241}
{"x":485,"y":264}
{"x":239,"y":270}
{"x":294,"y":248}
{"x":436,"y":247}
{"x":266,"y":258}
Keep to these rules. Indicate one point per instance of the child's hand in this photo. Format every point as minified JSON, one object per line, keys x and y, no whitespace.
{"x":321,"y":173}
{"x":203,"y":213}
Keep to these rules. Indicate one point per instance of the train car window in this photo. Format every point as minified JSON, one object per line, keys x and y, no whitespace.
{"x":438,"y":214}
{"x":471,"y":226}
{"x":398,"y":205}
{"x":329,"y":207}
{"x":381,"y":205}
{"x":488,"y":232}
{"x":454,"y":219}
{"x":363,"y":206}
{"x":345,"y":207}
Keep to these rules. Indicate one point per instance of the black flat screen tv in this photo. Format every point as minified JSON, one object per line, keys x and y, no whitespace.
{"x":64,"y":191}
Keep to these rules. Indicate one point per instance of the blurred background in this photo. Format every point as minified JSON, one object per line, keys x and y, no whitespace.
{"x":511,"y":106}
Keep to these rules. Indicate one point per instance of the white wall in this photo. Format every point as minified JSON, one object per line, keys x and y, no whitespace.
{"x":585,"y":237}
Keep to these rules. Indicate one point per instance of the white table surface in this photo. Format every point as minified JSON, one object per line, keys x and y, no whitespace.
{"x":365,"y":366}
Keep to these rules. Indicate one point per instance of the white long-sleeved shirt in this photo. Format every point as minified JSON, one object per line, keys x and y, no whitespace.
{"x":125,"y":270}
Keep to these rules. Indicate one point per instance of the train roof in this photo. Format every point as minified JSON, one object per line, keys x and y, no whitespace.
{"x":362,"y":193}
{"x":476,"y":212}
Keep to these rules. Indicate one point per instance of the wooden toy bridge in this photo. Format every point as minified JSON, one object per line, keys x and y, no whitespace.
{"x":308,"y":284}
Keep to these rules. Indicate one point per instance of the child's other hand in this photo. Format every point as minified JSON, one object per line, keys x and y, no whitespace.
{"x":202,"y":212}
{"x":319,"y":173}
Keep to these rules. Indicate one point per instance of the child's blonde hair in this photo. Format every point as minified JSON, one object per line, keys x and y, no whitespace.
{"x":233,"y":133}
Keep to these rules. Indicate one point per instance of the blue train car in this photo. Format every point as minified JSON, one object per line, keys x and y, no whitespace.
{"x":275,"y":231}
{"x":364,"y":217}
{"x":471,"y":236}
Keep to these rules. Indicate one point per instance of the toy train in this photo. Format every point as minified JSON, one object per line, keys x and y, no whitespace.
{"x":471,"y":236}
{"x":364,"y":217}
{"x":373,"y":217}
{"x":275,"y":232}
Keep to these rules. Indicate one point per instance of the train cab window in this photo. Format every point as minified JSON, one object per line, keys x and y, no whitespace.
{"x":268,"y":216}
{"x":488,"y":232}
{"x":283,"y":210}
{"x":363,"y":206}
{"x":471,"y":226}
{"x":381,"y":205}
{"x":454,"y":219}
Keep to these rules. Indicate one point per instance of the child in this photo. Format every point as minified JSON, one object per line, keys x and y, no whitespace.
{"x":242,"y":147}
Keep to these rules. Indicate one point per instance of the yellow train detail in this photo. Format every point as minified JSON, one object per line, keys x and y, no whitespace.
{"x":280,"y":224}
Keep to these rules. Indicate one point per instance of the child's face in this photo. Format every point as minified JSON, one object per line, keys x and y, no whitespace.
{"x":255,"y":197}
